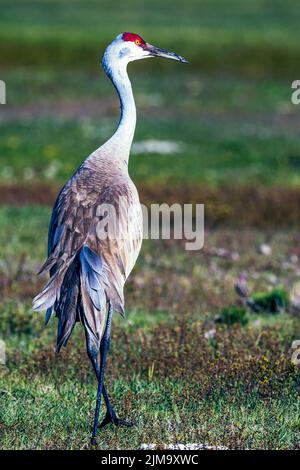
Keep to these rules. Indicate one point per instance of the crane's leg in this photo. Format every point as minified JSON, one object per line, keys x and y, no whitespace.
{"x":111,"y":416}
{"x":103,"y":355}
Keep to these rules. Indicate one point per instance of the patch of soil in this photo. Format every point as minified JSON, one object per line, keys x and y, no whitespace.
{"x":66,"y":109}
{"x":288,"y":121}
{"x":258,"y":207}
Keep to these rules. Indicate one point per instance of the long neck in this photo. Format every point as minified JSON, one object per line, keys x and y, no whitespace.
{"x":122,"y":138}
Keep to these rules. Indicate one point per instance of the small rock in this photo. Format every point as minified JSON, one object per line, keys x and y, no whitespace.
{"x":235,"y":256}
{"x":181,"y":446}
{"x":294,"y":259}
{"x":272,"y":279}
{"x":265,"y":249}
{"x":295,"y":295}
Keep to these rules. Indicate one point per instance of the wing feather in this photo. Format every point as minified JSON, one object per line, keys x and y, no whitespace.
{"x":86,"y":271}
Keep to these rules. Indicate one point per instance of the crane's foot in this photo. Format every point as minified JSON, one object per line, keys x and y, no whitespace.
{"x":93,"y":441}
{"x":113,"y":419}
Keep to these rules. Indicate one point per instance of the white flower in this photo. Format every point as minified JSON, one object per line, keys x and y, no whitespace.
{"x":210,"y":334}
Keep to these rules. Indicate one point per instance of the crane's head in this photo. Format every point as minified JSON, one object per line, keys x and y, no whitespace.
{"x":127,"y":47}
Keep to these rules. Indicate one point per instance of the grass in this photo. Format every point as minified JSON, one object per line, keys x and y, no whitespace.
{"x":239,"y":421}
{"x":191,"y":91}
{"x":233,"y":130}
{"x":51,"y":151}
{"x":255,"y":37}
{"x":174,"y":368}
{"x":163,"y":370}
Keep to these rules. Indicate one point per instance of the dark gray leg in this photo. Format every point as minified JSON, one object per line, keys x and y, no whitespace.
{"x":103,"y":355}
{"x":111,"y":416}
{"x":94,"y":360}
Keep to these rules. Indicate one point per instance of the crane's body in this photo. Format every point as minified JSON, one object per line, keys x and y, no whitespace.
{"x":88,"y":270}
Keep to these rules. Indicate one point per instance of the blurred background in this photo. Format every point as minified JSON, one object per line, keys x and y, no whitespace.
{"x":204,"y":354}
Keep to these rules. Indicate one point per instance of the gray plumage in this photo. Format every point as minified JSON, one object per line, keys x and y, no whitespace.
{"x":88,"y":269}
{"x":86,"y":272}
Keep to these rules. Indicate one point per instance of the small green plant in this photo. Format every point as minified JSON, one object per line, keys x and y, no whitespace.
{"x":232,"y":315}
{"x":273,"y":301}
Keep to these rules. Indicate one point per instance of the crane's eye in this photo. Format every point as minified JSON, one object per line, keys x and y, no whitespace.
{"x":138,"y":42}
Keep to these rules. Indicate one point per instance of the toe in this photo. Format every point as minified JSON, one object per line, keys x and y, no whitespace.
{"x":125,"y":423}
{"x":107,"y":420}
{"x":93,"y":441}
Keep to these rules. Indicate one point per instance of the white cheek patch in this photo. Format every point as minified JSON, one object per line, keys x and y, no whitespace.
{"x":124,"y":52}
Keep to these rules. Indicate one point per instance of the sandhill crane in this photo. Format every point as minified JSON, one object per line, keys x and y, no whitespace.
{"x":88,"y":272}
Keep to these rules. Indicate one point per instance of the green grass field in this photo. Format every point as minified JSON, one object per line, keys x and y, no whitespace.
{"x":236,"y":148}
{"x":240,"y":129}
{"x":163,"y":371}
{"x":257,"y":37}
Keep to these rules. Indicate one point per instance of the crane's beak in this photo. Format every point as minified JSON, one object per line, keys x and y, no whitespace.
{"x":157,"y":52}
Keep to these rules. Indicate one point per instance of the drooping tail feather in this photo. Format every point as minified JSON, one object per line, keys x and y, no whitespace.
{"x":51,"y":292}
{"x":93,"y":297}
{"x":67,"y":305}
{"x":76,"y":292}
